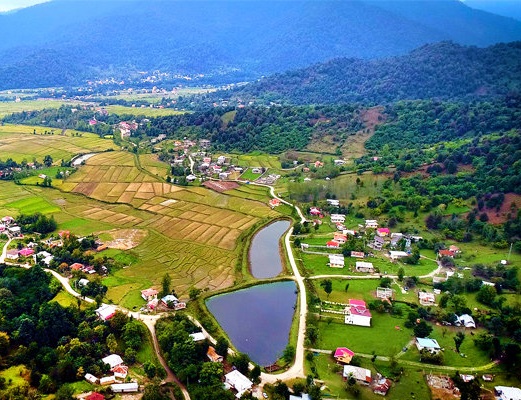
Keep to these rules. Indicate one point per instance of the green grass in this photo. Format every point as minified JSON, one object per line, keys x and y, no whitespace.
{"x":65,"y":299}
{"x":248,"y":175}
{"x":9,"y":107}
{"x":146,"y":352}
{"x":145,"y":111}
{"x":32,"y":205}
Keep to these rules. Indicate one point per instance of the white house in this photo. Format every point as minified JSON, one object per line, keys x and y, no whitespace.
{"x":395,"y":255}
{"x":236,"y":380}
{"x":336,"y":261}
{"x":91,"y":378}
{"x":362,"y":375}
{"x":426,"y":299}
{"x":357,"y":313}
{"x":427,"y":343}
{"x":197,"y":336}
{"x":106,"y":312}
{"x":221,"y":160}
{"x":149,"y":294}
{"x":335,"y":218}
{"x":113,"y":360}
{"x":507,"y":393}
{"x":465,"y":320}
{"x":371,"y":223}
{"x":12,"y":254}
{"x":125,"y":387}
{"x":333,"y":202}
{"x":362,"y":266}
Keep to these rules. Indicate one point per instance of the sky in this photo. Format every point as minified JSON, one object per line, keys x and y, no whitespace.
{"x":6,"y":5}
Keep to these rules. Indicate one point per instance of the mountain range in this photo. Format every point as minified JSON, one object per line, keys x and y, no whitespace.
{"x":64,"y":42}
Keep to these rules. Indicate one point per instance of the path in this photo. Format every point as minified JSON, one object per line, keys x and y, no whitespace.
{"x":4,"y":251}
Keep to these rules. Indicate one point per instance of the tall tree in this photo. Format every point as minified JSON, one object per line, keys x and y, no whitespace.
{"x":327,"y":285}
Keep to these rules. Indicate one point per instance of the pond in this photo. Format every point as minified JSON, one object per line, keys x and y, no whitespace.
{"x":264,"y":253}
{"x":257,"y":319}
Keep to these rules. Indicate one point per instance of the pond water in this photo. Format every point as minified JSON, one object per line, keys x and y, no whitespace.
{"x":257,"y":319}
{"x":264,"y":253}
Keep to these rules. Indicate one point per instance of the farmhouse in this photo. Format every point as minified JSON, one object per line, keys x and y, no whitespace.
{"x":465,"y":320}
{"x":336,"y":261}
{"x":274,"y":203}
{"x":357,"y":313}
{"x":362,"y":375}
{"x":76,"y":267}
{"x":213,"y":356}
{"x":426,"y":299}
{"x":125,"y":387}
{"x":446,"y":253}
{"x":120,"y":371}
{"x":395,"y":255}
{"x":149,"y":294}
{"x":429,"y":344}
{"x":333,"y":202}
{"x":113,"y":360}
{"x":106,"y":312}
{"x":107,"y":380}
{"x":256,"y":170}
{"x":362,"y":266}
{"x":382,"y":386}
{"x":371,"y":223}
{"x":237,"y":381}
{"x":12,"y":254}
{"x":315,"y":211}
{"x":332,"y":244}
{"x":26,"y":252}
{"x":343,"y":355}
{"x":338,"y":218}
{"x":171,"y":301}
{"x":507,"y":393}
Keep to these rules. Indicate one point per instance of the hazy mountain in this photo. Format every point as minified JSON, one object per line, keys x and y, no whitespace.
{"x":506,"y":8}
{"x":442,"y":70}
{"x":84,"y":39}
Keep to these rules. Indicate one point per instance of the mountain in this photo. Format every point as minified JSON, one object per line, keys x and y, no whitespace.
{"x":244,"y":39}
{"x":506,"y":8}
{"x":443,"y":70}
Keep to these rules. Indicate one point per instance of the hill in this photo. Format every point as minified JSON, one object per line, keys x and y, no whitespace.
{"x":443,"y":70}
{"x":66,"y":42}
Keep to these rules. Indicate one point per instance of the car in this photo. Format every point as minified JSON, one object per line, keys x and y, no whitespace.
{"x":265,"y":395}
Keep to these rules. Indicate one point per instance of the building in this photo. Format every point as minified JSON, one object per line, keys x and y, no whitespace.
{"x":238,"y":382}
{"x":383,"y":232}
{"x":396,"y":255}
{"x":26,"y":252}
{"x":382,"y":386}
{"x":172,"y":302}
{"x":12,"y":254}
{"x":113,"y":360}
{"x":357,"y":313}
{"x":340,"y":237}
{"x":303,"y":396}
{"x":107,"y":380}
{"x":358,"y":254}
{"x":106,"y":312}
{"x":333,"y":202}
{"x":336,"y":261}
{"x":125,"y":387}
{"x":362,"y":266}
{"x":91,"y":378}
{"x":507,"y":393}
{"x":343,"y":355}
{"x":197,"y":336}
{"x":274,"y":203}
{"x":149,"y":294}
{"x":429,"y":344}
{"x":378,"y":243}
{"x":426,"y":299}
{"x":465,"y":320}
{"x":335,"y":218}
{"x":446,"y":253}
{"x":362,"y":375}
{"x":371,"y":223}
{"x":213,"y":356}
{"x":315,"y":211}
{"x":95,"y":396}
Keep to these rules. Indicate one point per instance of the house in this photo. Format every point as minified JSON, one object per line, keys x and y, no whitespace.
{"x":95,"y":396}
{"x":191,"y":178}
{"x":357,"y":313}
{"x":454,"y":249}
{"x":113,"y":360}
{"x":12,"y":254}
{"x":336,"y":261}
{"x":338,"y":218}
{"x":343,"y":355}
{"x":507,"y":393}
{"x":106,"y":312}
{"x":83,"y":282}
{"x":383,"y":232}
{"x":303,"y":396}
{"x":15,"y":230}
{"x":333,"y":202}
{"x":7,"y":220}
{"x":26,"y":252}
{"x":120,"y":371}
{"x":465,"y":320}
{"x":274,"y":203}
{"x":91,"y":378}
{"x":488,"y":377}
{"x":396,"y":235}
{"x":362,"y":266}
{"x":45,"y":257}
{"x":197,"y":336}
{"x":223,"y":175}
{"x":107,"y":380}
{"x":358,"y":254}
{"x":339,"y":162}
{"x":237,"y":381}
{"x":221,"y":160}
{"x":340,"y":237}
{"x":319,"y":164}
{"x":76,"y":267}
{"x":172,"y":302}
{"x":332,"y":244}
{"x":446,"y":253}
{"x":125,"y":387}
{"x":429,"y":344}
{"x":467,"y":378}
{"x":315,"y":211}
{"x":378,"y":243}
{"x":382,"y":386}
{"x":396,"y":255}
{"x":362,"y":375}
{"x":371,"y":223}
{"x":213,"y":356}
{"x":207,"y":160}
{"x":426,"y":299}
{"x":256,"y":170}
{"x":149,"y":294}
{"x":349,"y":232}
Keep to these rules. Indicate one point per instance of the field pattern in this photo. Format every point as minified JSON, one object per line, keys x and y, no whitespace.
{"x":18,"y":142}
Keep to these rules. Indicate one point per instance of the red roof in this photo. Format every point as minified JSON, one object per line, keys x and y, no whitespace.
{"x":95,"y":396}
{"x":446,"y":253}
{"x":26,"y":252}
{"x":383,"y":230}
{"x":343,"y":352}
{"x":332,"y":243}
{"x":76,"y":266}
{"x":359,"y":307}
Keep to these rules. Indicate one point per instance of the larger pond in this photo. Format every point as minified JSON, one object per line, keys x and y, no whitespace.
{"x":257,"y":319}
{"x":264,"y":253}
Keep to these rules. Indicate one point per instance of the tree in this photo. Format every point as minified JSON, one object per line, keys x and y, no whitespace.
{"x":112,"y":343}
{"x":65,"y":392}
{"x":194,"y":293}
{"x":255,"y":374}
{"x":241,"y":362}
{"x":422,"y":330}
{"x":386,"y":282}
{"x":401,"y":273}
{"x":486,"y":294}
{"x":327,"y":285}
{"x":150,"y":369}
{"x":165,"y":284}
{"x":221,"y":347}
{"x":289,"y":353}
{"x":458,"y":340}
{"x":47,"y":160}
{"x":211,"y":373}
{"x":153,"y":392}
{"x":4,"y":343}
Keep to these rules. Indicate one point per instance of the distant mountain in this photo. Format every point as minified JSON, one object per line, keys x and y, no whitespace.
{"x":506,"y":8}
{"x":443,"y":71}
{"x":224,"y":37}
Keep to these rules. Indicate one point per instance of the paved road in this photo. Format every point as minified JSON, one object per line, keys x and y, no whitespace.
{"x":4,"y":251}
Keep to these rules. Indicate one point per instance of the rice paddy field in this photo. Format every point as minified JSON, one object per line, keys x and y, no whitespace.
{"x":9,"y":107}
{"x":20,"y":143}
{"x":255,"y":160}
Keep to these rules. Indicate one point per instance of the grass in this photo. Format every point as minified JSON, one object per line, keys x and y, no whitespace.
{"x":31,"y":205}
{"x":248,"y":175}
{"x":9,"y":107}
{"x":143,"y":111}
{"x":65,"y":299}
{"x":255,"y":159}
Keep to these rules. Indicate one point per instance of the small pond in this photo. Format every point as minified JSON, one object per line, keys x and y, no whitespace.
{"x":264,"y":253}
{"x":257,"y":319}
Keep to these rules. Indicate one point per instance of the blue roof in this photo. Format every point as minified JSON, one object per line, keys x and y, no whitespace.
{"x":429,"y":343}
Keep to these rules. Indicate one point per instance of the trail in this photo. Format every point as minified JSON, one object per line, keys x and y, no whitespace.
{"x":4,"y":250}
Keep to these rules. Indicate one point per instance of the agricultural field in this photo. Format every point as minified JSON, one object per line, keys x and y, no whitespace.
{"x":255,"y":159}
{"x":9,"y":107}
{"x":145,"y":111}
{"x":153,"y":165}
{"x":20,"y":143}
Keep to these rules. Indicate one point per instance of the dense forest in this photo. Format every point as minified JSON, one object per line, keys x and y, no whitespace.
{"x":442,"y":70}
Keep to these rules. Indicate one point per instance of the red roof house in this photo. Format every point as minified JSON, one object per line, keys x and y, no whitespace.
{"x":446,"y":253}
{"x":26,"y":252}
{"x":95,"y":396}
{"x":77,"y":267}
{"x":382,"y":386}
{"x":383,"y":232}
{"x":343,"y":355}
{"x":332,"y":244}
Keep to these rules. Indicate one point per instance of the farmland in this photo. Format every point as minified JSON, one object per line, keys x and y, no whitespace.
{"x":10,"y":107}
{"x":145,"y":111}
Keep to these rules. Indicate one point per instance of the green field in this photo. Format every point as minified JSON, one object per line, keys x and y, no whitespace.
{"x":255,"y":160}
{"x":9,"y":107}
{"x":31,"y":205}
{"x":144,"y":111}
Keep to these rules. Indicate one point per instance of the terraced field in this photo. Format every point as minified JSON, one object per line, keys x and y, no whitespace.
{"x":19,"y":142}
